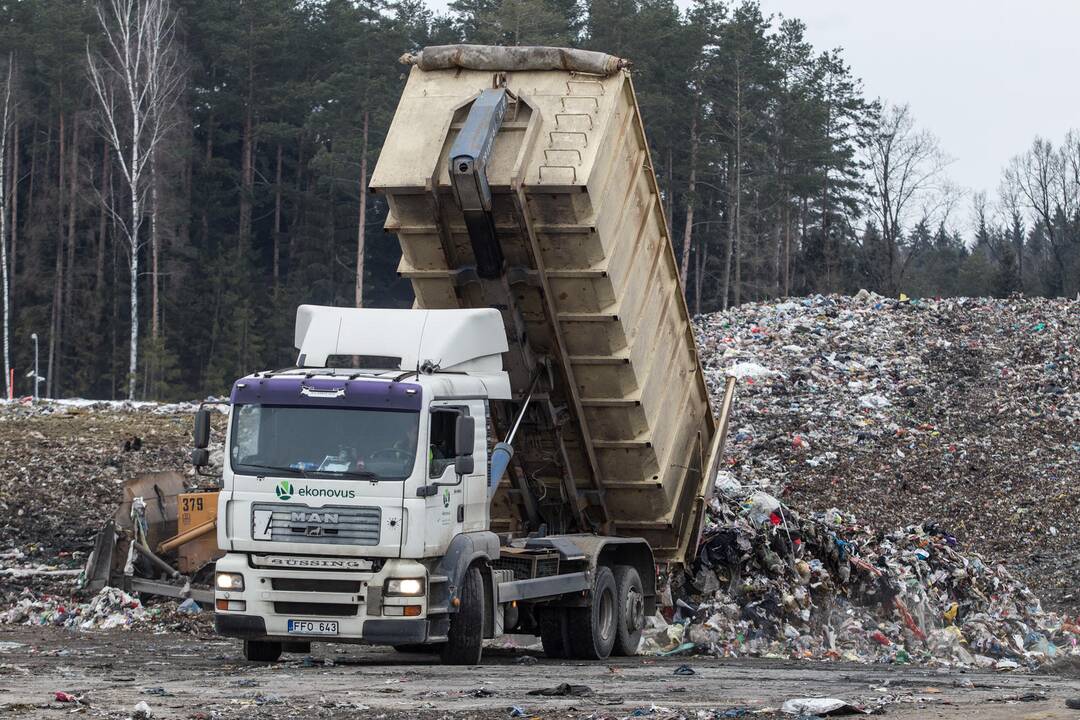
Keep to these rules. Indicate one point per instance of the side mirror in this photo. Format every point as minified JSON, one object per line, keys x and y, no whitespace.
{"x":464,"y":440}
{"x":202,"y":428}
{"x":464,"y":435}
{"x":200,"y":457}
{"x":463,"y":465}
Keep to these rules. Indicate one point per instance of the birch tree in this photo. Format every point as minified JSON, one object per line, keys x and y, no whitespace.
{"x":136,"y":80}
{"x":5,"y":121}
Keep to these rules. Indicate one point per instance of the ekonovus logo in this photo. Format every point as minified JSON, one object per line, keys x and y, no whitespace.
{"x":284,"y":490}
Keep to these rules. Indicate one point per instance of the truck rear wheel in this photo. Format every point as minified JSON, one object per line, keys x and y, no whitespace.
{"x":554,"y":632}
{"x":464,"y":642}
{"x":593,"y":628}
{"x":262,"y":651}
{"x":631,"y":605}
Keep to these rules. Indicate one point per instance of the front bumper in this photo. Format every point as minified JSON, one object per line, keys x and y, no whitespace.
{"x":354,"y":600}
{"x":378,"y":631}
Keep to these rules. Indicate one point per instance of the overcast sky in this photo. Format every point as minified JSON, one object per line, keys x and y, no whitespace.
{"x":985,"y":76}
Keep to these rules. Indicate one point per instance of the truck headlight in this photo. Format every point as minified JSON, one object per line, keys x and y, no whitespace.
{"x":405,"y":586}
{"x":229,"y":581}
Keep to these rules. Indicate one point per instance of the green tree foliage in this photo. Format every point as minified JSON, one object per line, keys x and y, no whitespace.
{"x":755,"y":138}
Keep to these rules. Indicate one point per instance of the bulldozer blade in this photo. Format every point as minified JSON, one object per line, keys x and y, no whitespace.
{"x":99,"y":566}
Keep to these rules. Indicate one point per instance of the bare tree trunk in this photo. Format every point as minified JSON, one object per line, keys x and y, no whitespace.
{"x":778,"y":255}
{"x":155,"y":247}
{"x":737,"y":240}
{"x":72,"y":237}
{"x":30,"y":188}
{"x":700,"y":258}
{"x":4,"y":121}
{"x":106,"y":198}
{"x":787,"y":249}
{"x":204,"y":218}
{"x":729,"y":241}
{"x":669,"y":200}
{"x":247,"y":165}
{"x":14,"y":195}
{"x":691,"y":189}
{"x":299,"y":209}
{"x":56,"y":334}
{"x":363,"y":217}
{"x":133,"y":266}
{"x":277,"y":219}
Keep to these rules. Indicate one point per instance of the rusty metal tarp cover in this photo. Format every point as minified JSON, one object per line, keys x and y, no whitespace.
{"x":497,"y":58}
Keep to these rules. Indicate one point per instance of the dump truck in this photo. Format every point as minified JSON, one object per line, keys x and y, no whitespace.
{"x":523,"y":448}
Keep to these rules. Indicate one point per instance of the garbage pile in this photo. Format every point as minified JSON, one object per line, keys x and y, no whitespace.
{"x":771,"y":582}
{"x":110,"y":608}
{"x":964,"y":412}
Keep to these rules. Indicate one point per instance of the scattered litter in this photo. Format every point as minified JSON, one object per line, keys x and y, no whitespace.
{"x":268,"y":699}
{"x":684,"y":670}
{"x":820,"y":707}
{"x":64,"y":697}
{"x":526,"y":660}
{"x":143,"y":711}
{"x":516,"y":711}
{"x":158,"y":691}
{"x":564,"y":690}
{"x":189,"y":607}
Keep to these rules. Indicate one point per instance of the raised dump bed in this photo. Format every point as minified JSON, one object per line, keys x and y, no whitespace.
{"x":620,"y":438}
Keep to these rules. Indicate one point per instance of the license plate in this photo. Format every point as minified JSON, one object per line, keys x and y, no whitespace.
{"x":313,"y":627}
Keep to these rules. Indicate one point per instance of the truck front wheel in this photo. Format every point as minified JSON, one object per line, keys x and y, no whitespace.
{"x":593,"y":628}
{"x":465,"y":640}
{"x":631,"y":604}
{"x":261,"y":651}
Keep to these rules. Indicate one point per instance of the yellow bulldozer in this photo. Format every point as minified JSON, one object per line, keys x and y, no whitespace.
{"x":162,"y":540}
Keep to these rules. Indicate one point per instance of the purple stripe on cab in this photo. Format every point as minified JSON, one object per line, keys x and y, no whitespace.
{"x":325,"y":392}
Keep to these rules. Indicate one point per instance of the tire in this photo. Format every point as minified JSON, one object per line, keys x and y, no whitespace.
{"x":630,"y":599}
{"x":554,"y":632}
{"x":261,"y":651}
{"x":593,"y":628}
{"x":465,"y":640}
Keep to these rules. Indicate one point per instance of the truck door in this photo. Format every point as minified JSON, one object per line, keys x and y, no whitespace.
{"x":445,"y":509}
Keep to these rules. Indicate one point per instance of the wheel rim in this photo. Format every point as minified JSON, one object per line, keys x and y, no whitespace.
{"x":607,"y":615}
{"x":634,"y":611}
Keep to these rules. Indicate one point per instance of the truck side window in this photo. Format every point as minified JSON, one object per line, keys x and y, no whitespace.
{"x":245,"y":445}
{"x":441,"y":439}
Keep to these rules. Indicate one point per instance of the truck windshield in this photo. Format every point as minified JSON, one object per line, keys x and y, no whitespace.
{"x":323,"y":442}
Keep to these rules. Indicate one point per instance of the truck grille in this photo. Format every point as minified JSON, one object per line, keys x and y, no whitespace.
{"x":316,"y":585}
{"x":327,"y":525}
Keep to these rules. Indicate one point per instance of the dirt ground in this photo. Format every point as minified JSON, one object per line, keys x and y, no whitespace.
{"x":186,"y":676}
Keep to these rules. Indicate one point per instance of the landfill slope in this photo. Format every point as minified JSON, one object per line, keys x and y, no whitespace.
{"x":63,"y":466}
{"x":961,"y":412}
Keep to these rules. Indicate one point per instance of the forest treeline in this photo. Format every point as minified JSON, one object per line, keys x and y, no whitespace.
{"x":241,"y":192}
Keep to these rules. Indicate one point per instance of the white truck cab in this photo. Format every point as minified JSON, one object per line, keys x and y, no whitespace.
{"x":343,"y":488}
